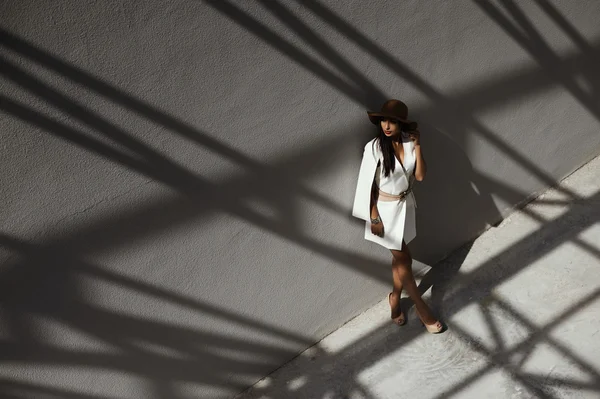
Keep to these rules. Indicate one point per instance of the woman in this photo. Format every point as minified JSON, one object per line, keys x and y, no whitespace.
{"x":384,"y":199}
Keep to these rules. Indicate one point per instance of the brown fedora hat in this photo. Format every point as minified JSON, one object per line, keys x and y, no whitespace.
{"x":393,"y":109}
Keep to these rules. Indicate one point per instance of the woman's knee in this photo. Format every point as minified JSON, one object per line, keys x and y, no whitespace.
{"x":402,"y":270}
{"x":401,"y":259}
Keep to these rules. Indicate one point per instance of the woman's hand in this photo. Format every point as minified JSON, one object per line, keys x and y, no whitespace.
{"x":415,"y":136}
{"x":377,"y":228}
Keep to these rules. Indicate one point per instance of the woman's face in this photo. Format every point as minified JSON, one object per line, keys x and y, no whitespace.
{"x":390,"y":127}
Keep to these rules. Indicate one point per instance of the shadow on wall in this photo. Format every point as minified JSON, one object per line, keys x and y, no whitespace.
{"x":356,"y":86}
{"x":462,"y":208}
{"x":520,"y":28}
{"x":44,"y":281}
{"x":198,"y":195}
{"x":466,"y":205}
{"x":43,"y":285}
{"x":449,"y":200}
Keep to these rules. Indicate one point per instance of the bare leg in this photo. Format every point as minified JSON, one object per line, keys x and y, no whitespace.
{"x":394,"y":298}
{"x":402,"y":266}
{"x":397,"y":281}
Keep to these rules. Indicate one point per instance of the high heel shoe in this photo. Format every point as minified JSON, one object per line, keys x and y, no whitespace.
{"x":434,"y":328}
{"x":398,"y":319}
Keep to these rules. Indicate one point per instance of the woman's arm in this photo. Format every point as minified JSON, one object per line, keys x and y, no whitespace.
{"x":376,"y":223}
{"x":421,"y":166}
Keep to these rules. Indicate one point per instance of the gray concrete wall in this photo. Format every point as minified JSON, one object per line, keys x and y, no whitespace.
{"x":177,"y":176}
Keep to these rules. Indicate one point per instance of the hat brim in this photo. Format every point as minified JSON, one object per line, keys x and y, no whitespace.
{"x":375,"y":117}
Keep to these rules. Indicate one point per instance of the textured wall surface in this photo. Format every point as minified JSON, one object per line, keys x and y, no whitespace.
{"x":177,"y":176}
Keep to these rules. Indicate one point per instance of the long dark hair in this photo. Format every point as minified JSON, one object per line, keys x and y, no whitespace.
{"x":385,"y":144}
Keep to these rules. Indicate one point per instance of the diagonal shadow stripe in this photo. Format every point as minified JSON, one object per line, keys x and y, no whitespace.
{"x":118,"y":96}
{"x":509,"y":193}
{"x":518,"y":83}
{"x":271,"y":37}
{"x":502,"y":359}
{"x":144,"y":109}
{"x":165,"y":213}
{"x":565,"y":25}
{"x":38,"y":254}
{"x":535,"y":45}
{"x":306,"y":34}
{"x":512,"y":260}
{"x":19,"y":390}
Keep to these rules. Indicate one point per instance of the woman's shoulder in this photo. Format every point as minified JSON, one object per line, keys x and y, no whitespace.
{"x":370,"y":142}
{"x":373,"y":146}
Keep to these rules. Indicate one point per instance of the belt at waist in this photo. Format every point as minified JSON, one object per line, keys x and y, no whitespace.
{"x":383,"y":196}
{"x":386,"y":197}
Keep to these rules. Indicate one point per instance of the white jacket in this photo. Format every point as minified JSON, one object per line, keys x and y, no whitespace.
{"x":362,"y":198}
{"x":372,"y":155}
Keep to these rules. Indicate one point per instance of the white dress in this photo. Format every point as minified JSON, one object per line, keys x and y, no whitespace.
{"x":398,"y":217}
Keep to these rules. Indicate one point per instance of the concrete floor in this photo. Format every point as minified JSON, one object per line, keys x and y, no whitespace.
{"x":522,"y":306}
